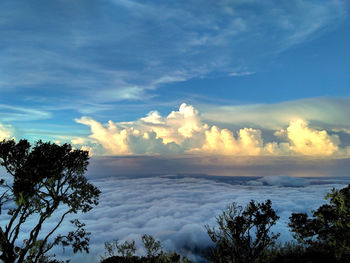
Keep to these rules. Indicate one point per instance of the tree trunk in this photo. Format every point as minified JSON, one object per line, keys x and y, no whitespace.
{"x":7,"y":249}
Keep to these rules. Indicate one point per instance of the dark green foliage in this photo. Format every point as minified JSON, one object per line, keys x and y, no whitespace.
{"x":328,"y":230}
{"x":170,"y":257}
{"x":292,"y":252}
{"x":44,"y":178}
{"x":244,"y":235}
{"x":127,"y":250}
{"x":152,"y":246}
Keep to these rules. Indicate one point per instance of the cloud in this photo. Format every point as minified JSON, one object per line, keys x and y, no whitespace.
{"x":241,"y":73}
{"x":330,"y":113}
{"x":249,"y":142}
{"x":175,"y":209}
{"x":150,"y":135}
{"x":6,"y":132}
{"x":183,"y":131}
{"x":11,"y":113}
{"x":281,"y":181}
{"x":111,"y":137}
{"x":177,"y":126}
{"x":309,"y":26}
{"x":308,"y":141}
{"x":125,"y":50}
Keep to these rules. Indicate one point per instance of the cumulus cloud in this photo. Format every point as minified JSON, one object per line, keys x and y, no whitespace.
{"x":110,"y":136}
{"x":248,"y":142}
{"x":184,"y":131}
{"x":152,"y":134}
{"x":308,"y":141}
{"x":6,"y":132}
{"x":177,"y":126}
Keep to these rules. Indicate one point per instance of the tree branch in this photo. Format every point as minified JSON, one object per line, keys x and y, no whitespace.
{"x":41,"y":252}
{"x":22,"y":219}
{"x":13,"y":218}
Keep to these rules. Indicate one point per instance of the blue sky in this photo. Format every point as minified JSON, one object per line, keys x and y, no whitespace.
{"x":160,"y":89}
{"x":118,"y":60}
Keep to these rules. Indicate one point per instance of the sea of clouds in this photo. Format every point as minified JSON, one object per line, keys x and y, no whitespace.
{"x":176,"y":208}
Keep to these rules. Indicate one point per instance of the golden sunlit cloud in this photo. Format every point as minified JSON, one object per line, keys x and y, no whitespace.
{"x":110,"y":136}
{"x":223,"y":141}
{"x":308,"y":141}
{"x":6,"y":132}
{"x":183,"y":131}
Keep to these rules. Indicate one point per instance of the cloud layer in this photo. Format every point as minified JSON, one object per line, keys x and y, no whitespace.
{"x":176,"y":208}
{"x":329,"y":113}
{"x":184,"y":131}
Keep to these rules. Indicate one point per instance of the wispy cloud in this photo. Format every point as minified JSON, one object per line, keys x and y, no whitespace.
{"x":9,"y":113}
{"x":121,"y":49}
{"x":241,"y":73}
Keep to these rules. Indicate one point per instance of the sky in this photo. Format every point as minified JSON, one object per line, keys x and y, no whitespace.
{"x":125,"y":77}
{"x":184,"y":106}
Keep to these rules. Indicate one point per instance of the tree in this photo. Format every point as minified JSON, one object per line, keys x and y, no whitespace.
{"x":153,"y":247}
{"x":116,"y":252}
{"x":244,"y":235}
{"x":43,"y":178}
{"x":328,"y":230}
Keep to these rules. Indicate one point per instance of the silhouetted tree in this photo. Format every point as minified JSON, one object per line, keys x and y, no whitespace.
{"x":153,"y":247}
{"x":244,"y":235}
{"x":42,"y":179}
{"x":328,"y":230}
{"x":116,"y":252}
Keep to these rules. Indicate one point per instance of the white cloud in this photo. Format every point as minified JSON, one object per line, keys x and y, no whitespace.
{"x":152,"y":134}
{"x":281,"y":181}
{"x":241,"y":73}
{"x":183,"y":131}
{"x":310,"y":26}
{"x":10,"y":113}
{"x":308,"y":141}
{"x":113,"y":57}
{"x":223,"y":141}
{"x":329,"y":113}
{"x":175,"y":209}
{"x":6,"y":132}
{"x":111,"y":137}
{"x":118,"y":94}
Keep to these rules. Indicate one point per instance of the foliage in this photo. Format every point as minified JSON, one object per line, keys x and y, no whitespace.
{"x":125,"y":252}
{"x":294,"y":252}
{"x":244,"y":235}
{"x":152,"y":246}
{"x":42,"y":179}
{"x":126,"y":249}
{"x":329,"y":227}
